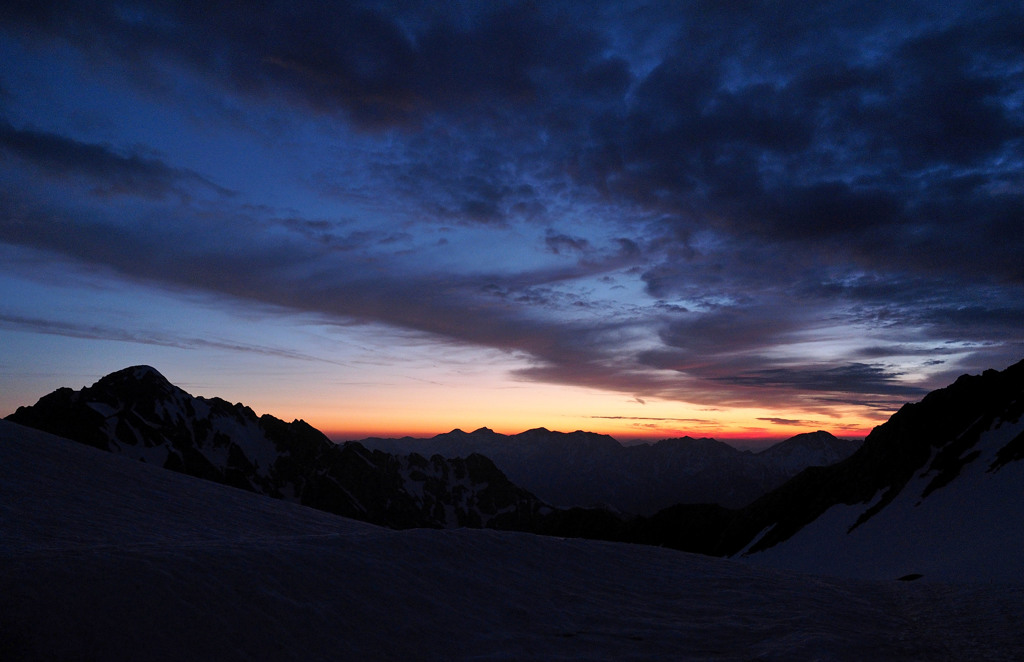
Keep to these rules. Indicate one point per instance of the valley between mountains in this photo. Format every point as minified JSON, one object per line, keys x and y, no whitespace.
{"x":935,"y":492}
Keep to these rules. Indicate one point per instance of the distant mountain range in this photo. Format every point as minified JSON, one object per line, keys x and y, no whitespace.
{"x":588,"y":469}
{"x":136,"y":412}
{"x":938,"y":490}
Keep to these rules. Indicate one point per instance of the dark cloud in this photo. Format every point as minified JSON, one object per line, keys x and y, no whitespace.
{"x":379,"y":63}
{"x":558,"y":243}
{"x":828,"y":209}
{"x":729,"y":330}
{"x":936,"y":308}
{"x":752,"y":379}
{"x":776,"y":130}
{"x":853,"y":378}
{"x":110,"y":172}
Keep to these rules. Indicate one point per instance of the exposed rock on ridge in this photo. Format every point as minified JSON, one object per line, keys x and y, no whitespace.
{"x":138,"y":413}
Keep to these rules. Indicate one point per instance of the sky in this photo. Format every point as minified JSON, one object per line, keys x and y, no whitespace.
{"x":648,"y":219}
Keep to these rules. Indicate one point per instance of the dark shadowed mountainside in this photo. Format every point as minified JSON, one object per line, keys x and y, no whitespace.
{"x":588,"y":469}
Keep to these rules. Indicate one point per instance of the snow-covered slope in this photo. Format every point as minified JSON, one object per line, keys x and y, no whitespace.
{"x":584,"y":468}
{"x":110,"y":559}
{"x":970,"y":528}
{"x":937,"y":490}
{"x":137,"y":413}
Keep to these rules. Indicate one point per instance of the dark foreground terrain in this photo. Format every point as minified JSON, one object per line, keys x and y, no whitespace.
{"x":106,"y":558}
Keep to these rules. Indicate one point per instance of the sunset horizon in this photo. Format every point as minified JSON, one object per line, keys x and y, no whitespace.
{"x":643,"y":219}
{"x":752,"y":433}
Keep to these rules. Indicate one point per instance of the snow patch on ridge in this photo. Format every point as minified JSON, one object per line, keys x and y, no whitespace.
{"x":102,"y":408}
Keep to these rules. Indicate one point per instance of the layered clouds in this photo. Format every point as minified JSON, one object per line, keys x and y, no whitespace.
{"x":804,"y":209}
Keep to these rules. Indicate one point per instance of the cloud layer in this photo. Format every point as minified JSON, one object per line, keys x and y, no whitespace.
{"x":747,"y":204}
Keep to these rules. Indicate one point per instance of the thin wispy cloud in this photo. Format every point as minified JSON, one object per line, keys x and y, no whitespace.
{"x":654,"y":418}
{"x":787,"y":421}
{"x":146,"y":337}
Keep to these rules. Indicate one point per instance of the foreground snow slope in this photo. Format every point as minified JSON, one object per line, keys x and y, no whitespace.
{"x":969,"y":529}
{"x":106,"y":558}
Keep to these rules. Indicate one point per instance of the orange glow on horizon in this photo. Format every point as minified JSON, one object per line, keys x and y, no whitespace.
{"x":511,"y":410}
{"x":393,"y":406}
{"x":741,"y":437}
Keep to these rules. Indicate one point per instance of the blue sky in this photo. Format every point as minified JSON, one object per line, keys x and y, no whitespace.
{"x":645,"y":218}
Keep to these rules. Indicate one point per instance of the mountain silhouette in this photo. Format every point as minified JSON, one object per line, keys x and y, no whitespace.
{"x":588,"y":469}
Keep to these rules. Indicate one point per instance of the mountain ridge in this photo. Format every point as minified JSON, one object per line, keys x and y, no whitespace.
{"x":936,"y":432}
{"x":138,"y":413}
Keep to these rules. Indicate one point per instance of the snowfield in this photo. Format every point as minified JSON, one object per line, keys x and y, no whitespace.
{"x":106,"y":558}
